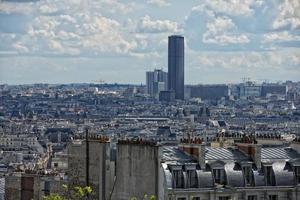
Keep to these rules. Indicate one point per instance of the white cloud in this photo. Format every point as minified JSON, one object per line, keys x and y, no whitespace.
{"x":239,"y":61}
{"x":48,"y":9}
{"x":20,"y":48}
{"x":283,"y":36}
{"x":7,"y":7}
{"x":233,"y":7}
{"x":159,"y":3}
{"x":113,"y":6}
{"x":289,"y":15}
{"x":74,"y":27}
{"x":221,"y":31}
{"x":147,"y":25}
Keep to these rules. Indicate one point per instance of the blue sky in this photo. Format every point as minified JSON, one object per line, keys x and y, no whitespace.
{"x":63,"y":41}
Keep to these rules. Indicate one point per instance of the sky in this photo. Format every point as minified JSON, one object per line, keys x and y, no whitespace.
{"x":117,"y":41}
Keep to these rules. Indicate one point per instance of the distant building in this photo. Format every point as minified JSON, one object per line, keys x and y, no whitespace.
{"x":19,"y":186}
{"x":176,"y":66}
{"x":167,"y":96}
{"x":249,"y":89}
{"x":273,"y":89}
{"x":156,"y":81}
{"x":208,"y":92}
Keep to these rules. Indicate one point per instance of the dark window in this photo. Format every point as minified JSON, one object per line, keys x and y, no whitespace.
{"x":248,"y":176}
{"x":178,"y":181}
{"x":273,"y":197}
{"x":252,"y":197}
{"x":269,"y":176}
{"x":196,"y":198}
{"x":181,"y":198}
{"x":55,"y":164}
{"x":219,"y":176}
{"x":192,"y":179}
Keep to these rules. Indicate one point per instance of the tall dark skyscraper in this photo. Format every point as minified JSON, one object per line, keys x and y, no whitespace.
{"x":176,"y":65}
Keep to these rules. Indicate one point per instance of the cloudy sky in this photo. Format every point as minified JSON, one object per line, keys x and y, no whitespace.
{"x":63,"y":41}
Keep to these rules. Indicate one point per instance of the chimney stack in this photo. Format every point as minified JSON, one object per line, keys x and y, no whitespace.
{"x":252,"y":150}
{"x":196,"y":150}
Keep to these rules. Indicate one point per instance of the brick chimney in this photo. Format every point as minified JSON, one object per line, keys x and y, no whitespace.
{"x":197,"y":151}
{"x":252,"y":150}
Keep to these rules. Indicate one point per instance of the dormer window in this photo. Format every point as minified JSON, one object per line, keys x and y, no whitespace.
{"x":269,"y":175}
{"x":178,"y":179}
{"x":247,"y":170}
{"x":219,"y":176}
{"x":192,"y":179}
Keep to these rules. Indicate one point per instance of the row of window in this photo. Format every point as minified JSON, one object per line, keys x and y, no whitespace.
{"x":219,"y":176}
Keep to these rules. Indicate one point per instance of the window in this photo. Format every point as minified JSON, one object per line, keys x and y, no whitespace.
{"x":181,"y":198}
{"x":192,"y":179}
{"x":248,"y":176}
{"x":273,"y":197}
{"x":252,"y":197}
{"x":297,"y":173}
{"x":178,"y":181}
{"x":196,"y":198}
{"x":55,"y":164}
{"x":219,"y":175}
{"x":224,"y":198}
{"x":269,"y":176}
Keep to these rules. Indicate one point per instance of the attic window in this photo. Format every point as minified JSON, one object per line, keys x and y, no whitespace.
{"x":192,"y":179}
{"x":269,"y":176}
{"x":219,"y":176}
{"x":247,"y":170}
{"x":178,"y":180}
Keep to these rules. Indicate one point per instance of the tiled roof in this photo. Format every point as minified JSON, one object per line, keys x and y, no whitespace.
{"x":173,"y":154}
{"x":224,"y":154}
{"x":278,"y":154}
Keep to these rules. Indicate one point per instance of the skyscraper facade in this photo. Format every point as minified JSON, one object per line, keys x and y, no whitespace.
{"x":176,"y":65}
{"x":156,"y":81}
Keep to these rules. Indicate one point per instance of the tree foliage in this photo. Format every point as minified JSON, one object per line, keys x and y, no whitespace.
{"x":76,"y":193}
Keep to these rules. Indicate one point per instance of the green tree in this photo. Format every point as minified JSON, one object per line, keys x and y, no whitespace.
{"x":76,"y":193}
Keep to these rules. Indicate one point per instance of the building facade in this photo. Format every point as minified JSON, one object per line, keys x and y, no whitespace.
{"x":176,"y":65}
{"x":156,"y":82}
{"x":208,"y":92}
{"x":194,"y":170}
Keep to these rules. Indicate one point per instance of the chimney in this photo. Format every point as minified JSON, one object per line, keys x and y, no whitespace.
{"x":195,"y":150}
{"x":201,"y":156}
{"x":252,"y":150}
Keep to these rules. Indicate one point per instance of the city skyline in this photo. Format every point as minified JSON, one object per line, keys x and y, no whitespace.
{"x":81,"y":41}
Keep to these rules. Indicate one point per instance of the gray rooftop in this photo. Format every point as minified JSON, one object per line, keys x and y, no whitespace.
{"x":173,"y":154}
{"x":278,"y":154}
{"x":224,"y":154}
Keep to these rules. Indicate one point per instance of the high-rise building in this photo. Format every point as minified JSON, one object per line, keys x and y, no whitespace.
{"x":176,"y":65}
{"x":156,"y":81}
